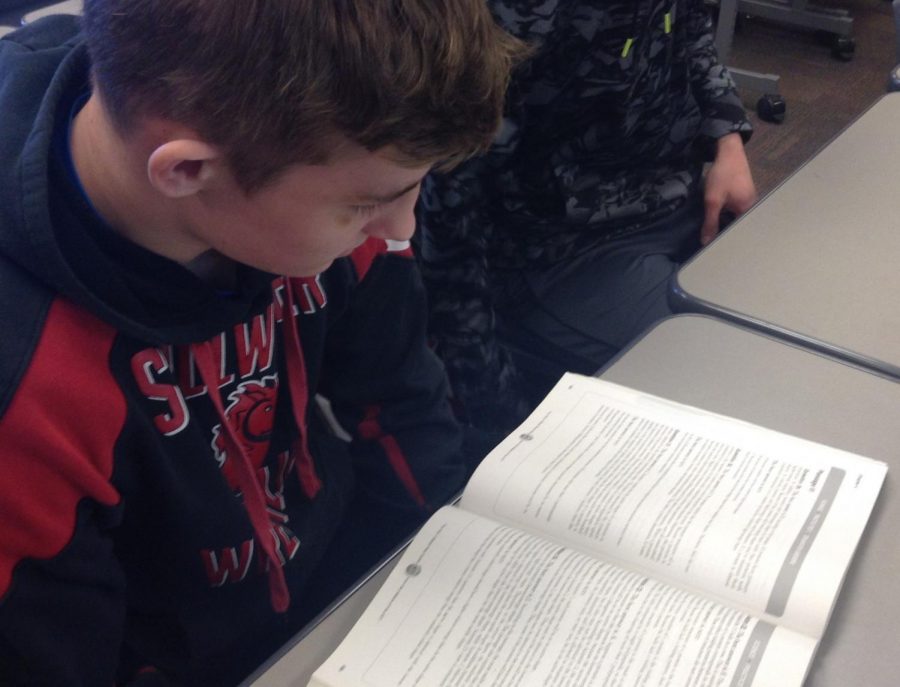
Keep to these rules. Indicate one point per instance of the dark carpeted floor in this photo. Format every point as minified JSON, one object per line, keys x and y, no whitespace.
{"x":823,"y":94}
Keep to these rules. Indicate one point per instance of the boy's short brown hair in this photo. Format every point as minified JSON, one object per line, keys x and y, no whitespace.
{"x":272,"y":81}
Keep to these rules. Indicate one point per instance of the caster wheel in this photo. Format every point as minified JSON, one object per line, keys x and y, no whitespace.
{"x":843,"y":48}
{"x":894,"y":81}
{"x":771,"y":108}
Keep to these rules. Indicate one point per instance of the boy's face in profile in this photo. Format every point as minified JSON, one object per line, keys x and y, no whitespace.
{"x":311,"y":214}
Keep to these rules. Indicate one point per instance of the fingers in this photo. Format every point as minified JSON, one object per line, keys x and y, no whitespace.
{"x":711,"y":220}
{"x":709,"y":230}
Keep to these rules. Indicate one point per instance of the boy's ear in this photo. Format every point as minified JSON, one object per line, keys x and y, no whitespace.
{"x":183,"y":167}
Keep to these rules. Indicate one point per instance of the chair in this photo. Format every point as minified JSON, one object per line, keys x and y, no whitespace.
{"x":894,"y":80}
{"x":835,"y":23}
{"x":771,"y":106}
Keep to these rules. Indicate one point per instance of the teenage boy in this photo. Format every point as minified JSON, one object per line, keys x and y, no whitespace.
{"x":555,"y":250}
{"x":204,"y":221}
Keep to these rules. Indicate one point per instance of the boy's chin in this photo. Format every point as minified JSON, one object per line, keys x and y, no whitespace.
{"x":306,"y":272}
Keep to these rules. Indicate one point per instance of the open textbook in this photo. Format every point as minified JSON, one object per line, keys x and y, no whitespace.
{"x":617,"y":538}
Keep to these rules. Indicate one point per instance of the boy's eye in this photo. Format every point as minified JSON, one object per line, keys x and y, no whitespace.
{"x":364,"y":209}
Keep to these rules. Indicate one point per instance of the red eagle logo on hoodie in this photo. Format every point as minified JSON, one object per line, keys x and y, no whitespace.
{"x":251,"y":415}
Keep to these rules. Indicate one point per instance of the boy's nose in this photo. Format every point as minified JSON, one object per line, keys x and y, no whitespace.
{"x":398,"y":223}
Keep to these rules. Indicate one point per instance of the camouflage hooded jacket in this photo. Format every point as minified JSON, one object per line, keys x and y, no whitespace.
{"x":606,"y":130}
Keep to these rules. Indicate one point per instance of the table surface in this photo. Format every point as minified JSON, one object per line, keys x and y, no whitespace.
{"x":67,"y":7}
{"x":295,"y":663}
{"x":29,"y":11}
{"x":816,"y":259}
{"x":715,"y":365}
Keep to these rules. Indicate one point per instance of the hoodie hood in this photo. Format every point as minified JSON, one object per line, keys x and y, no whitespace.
{"x":58,"y":239}
{"x":49,"y":229}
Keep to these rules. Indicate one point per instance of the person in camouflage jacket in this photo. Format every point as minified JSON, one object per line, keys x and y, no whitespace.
{"x":553,"y":250}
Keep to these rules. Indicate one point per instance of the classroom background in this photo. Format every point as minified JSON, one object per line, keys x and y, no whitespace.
{"x":822,"y":92}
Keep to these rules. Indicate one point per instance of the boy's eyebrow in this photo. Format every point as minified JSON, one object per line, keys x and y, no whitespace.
{"x":390,"y":196}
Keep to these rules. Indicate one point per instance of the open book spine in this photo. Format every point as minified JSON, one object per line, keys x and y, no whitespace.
{"x":620,"y":539}
{"x":760,"y":520}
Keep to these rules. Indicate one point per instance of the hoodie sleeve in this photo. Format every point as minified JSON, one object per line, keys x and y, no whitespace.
{"x":388,"y":390}
{"x":712,"y":84}
{"x":62,"y":602}
{"x":456,"y":227}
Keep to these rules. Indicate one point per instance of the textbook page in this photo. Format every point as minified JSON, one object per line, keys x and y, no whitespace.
{"x":473,"y":602}
{"x":756,"y":518}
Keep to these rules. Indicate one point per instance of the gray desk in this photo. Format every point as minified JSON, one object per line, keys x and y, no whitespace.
{"x":816,"y":261}
{"x":298,"y":659}
{"x":714,"y":365}
{"x":67,"y":7}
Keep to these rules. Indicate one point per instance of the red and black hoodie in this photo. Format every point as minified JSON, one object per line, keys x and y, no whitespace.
{"x":167,"y":486}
